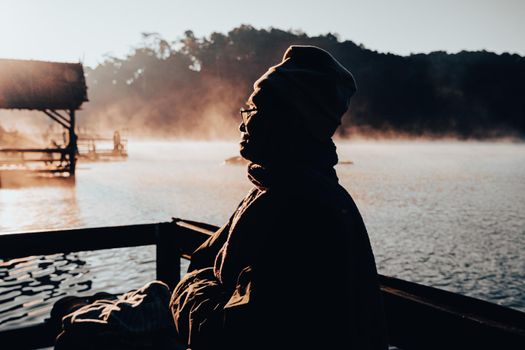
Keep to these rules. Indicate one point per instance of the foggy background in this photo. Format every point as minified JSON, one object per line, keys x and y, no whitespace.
{"x":193,"y":88}
{"x":192,"y":67}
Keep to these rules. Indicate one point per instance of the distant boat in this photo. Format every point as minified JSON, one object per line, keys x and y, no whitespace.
{"x":235,"y":160}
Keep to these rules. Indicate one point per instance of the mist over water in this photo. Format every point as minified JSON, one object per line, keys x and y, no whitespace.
{"x":445,"y":214}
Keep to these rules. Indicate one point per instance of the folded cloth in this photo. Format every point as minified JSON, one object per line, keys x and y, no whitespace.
{"x":68,"y":304}
{"x":139,"y":319}
{"x":197,"y":308}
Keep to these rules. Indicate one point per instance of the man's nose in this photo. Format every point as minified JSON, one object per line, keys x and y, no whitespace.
{"x":242,"y":127}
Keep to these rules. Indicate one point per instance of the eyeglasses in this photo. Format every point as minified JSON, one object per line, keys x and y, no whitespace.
{"x":245,"y":113}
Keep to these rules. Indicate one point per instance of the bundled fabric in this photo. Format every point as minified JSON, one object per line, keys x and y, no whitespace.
{"x":139,"y":319}
{"x":197,"y":308}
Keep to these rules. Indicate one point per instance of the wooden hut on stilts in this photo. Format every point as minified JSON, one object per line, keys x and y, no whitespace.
{"x":55,"y":89}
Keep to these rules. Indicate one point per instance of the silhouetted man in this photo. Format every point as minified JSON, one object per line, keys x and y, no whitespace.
{"x":293,"y":267}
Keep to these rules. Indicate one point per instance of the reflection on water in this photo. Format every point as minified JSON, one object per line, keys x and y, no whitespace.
{"x":29,"y":283}
{"x":29,"y":286}
{"x":38,"y":203}
{"x":446,"y":215}
{"x":450,"y":215}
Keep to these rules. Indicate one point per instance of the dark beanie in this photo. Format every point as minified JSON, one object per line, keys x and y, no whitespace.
{"x":314,"y":84}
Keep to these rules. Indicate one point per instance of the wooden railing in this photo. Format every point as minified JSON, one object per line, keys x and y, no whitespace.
{"x":418,"y":317}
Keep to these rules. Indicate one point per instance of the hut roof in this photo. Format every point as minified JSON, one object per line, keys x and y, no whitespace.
{"x":41,"y":85}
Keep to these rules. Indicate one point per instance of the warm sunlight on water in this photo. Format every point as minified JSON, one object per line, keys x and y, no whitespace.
{"x":446,"y":214}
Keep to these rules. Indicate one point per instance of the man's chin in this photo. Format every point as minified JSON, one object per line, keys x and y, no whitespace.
{"x":248,"y":153}
{"x":244,"y":150}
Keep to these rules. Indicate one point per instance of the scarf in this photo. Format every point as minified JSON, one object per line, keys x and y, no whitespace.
{"x":315,"y":160}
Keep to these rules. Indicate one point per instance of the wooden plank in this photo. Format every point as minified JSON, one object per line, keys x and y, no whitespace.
{"x":16,"y":245}
{"x":421,"y":316}
{"x":55,"y":118}
{"x":33,"y":150}
{"x":168,"y":254}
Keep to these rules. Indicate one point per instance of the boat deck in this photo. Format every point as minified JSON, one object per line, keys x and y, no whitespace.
{"x":418,"y":316}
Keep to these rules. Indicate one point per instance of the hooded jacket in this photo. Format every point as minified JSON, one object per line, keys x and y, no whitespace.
{"x":295,"y":270}
{"x":293,"y":267}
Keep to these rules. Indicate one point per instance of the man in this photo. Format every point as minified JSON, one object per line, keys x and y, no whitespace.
{"x":293,"y":267}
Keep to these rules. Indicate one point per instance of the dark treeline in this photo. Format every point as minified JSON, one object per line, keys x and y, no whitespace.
{"x":195,"y":86}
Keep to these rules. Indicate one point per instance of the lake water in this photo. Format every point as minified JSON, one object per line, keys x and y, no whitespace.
{"x":445,"y":214}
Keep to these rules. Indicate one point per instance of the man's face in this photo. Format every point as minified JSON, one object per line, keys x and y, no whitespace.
{"x":247,"y":115}
{"x":254,"y":130}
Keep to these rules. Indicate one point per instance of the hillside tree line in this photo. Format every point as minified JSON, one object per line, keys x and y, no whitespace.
{"x":195,"y":86}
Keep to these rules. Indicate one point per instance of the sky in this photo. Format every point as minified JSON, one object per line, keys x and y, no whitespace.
{"x":89,"y":31}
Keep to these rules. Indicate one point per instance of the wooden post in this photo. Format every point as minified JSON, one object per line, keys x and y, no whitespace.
{"x":72,"y":146}
{"x":168,"y":255}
